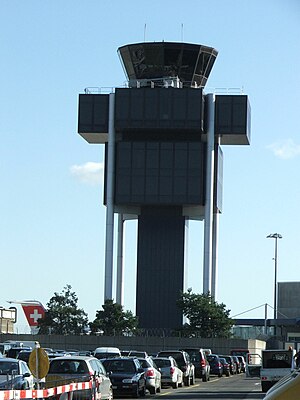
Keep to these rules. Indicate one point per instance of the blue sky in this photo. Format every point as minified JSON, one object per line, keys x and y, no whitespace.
{"x":52,"y":230}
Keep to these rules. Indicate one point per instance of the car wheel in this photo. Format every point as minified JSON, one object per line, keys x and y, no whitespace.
{"x":110,"y":395}
{"x":265,"y":386}
{"x":204,"y":379}
{"x":158,"y":390}
{"x":175,"y":385}
{"x":180,"y":384}
{"x":152,"y":390}
{"x":143,"y":392}
{"x":220,"y":375}
{"x":193,"y":380}
{"x":136,"y":394}
{"x":187,"y":381}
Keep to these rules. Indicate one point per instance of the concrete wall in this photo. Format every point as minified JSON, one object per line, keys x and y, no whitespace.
{"x":150,"y":344}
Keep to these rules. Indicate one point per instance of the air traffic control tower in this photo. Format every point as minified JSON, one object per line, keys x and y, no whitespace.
{"x":163,"y":166}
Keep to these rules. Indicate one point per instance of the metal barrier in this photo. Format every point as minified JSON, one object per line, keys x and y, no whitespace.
{"x":64,"y":392}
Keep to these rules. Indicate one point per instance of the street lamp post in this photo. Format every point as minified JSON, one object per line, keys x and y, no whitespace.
{"x":275,"y":236}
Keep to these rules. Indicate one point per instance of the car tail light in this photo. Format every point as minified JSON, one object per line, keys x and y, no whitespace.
{"x":150,"y":372}
{"x":172,"y":370}
{"x":219,"y":365}
{"x":203,"y":364}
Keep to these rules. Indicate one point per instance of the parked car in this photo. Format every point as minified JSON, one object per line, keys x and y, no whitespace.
{"x":198,"y":358}
{"x":15,"y":374}
{"x":184,"y":363}
{"x":127,"y":376}
{"x":216,"y":367}
{"x":152,"y":375}
{"x":231,"y":363}
{"x":24,"y":355}
{"x":238,"y":364}
{"x":67,"y":369}
{"x":171,"y":374}
{"x":136,"y":353}
{"x":14,"y":351}
{"x":106,"y":352}
{"x":243,"y":363}
{"x":226,"y":366}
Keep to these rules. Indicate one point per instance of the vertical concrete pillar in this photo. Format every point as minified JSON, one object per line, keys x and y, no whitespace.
{"x":120,"y":265}
{"x":208,"y":213}
{"x":109,"y":244}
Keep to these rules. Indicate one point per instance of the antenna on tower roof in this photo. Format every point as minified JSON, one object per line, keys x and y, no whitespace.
{"x":182,"y":32}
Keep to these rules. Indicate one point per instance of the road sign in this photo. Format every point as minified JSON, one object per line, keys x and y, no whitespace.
{"x":39,"y":363}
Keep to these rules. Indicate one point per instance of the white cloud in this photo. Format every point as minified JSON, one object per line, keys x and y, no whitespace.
{"x":90,"y":173}
{"x":285,"y":149}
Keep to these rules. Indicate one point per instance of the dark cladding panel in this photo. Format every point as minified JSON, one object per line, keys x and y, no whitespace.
{"x":93,"y":117}
{"x":153,"y":173}
{"x":163,"y":109}
{"x":232,"y":119}
{"x":160,"y":261}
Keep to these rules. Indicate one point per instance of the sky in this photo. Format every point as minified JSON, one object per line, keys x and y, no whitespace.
{"x":52,"y":230}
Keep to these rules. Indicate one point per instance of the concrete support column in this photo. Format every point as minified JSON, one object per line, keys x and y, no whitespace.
{"x":120,"y":265}
{"x":109,"y":243}
{"x":214,"y":271}
{"x":208,"y":213}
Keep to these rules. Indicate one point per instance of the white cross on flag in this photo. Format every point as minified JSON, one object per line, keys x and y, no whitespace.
{"x":33,"y":313}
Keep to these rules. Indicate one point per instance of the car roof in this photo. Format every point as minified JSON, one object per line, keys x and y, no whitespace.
{"x":79,"y":358}
{"x":6,"y":359}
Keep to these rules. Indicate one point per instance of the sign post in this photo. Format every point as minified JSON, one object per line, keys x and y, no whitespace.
{"x":38,"y":363}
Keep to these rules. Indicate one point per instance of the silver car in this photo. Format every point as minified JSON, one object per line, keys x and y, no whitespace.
{"x":15,"y":374}
{"x":171,"y":374}
{"x":152,"y":375}
{"x":64,"y":370}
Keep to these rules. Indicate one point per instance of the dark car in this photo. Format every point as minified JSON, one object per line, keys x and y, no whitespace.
{"x":231,"y":363}
{"x":216,"y":367}
{"x":198,"y":358}
{"x":184,"y":363}
{"x":226,"y":366}
{"x":15,"y":374}
{"x":243,"y":363}
{"x":24,"y":355}
{"x":238,"y":364}
{"x":126,"y":375}
{"x":14,"y":351}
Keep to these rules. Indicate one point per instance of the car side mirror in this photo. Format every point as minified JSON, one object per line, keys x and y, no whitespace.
{"x":26,"y":375}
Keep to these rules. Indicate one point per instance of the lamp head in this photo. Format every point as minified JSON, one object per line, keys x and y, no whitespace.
{"x":274,"y":236}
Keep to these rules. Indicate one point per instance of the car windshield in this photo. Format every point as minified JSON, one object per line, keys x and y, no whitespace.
{"x":119,"y":366}
{"x":67,"y":367}
{"x":194,"y":355}
{"x":178,"y":357}
{"x":144,"y":363}
{"x":7,"y":367}
{"x":162,"y":363}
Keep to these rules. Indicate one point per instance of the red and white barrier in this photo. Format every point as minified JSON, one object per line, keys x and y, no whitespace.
{"x":44,"y":393}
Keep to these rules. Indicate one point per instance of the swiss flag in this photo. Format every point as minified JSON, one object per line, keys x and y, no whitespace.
{"x":33,"y":313}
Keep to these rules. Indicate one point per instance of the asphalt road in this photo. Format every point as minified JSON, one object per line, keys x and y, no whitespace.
{"x":228,"y":388}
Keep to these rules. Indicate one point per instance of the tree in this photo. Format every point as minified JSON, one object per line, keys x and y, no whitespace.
{"x":63,"y":316}
{"x":112,"y":320}
{"x":205,"y":315}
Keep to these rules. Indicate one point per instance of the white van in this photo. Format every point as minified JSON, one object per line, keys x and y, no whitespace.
{"x":107,"y":352}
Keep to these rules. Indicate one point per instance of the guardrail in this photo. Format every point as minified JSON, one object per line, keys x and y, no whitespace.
{"x":64,"y":392}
